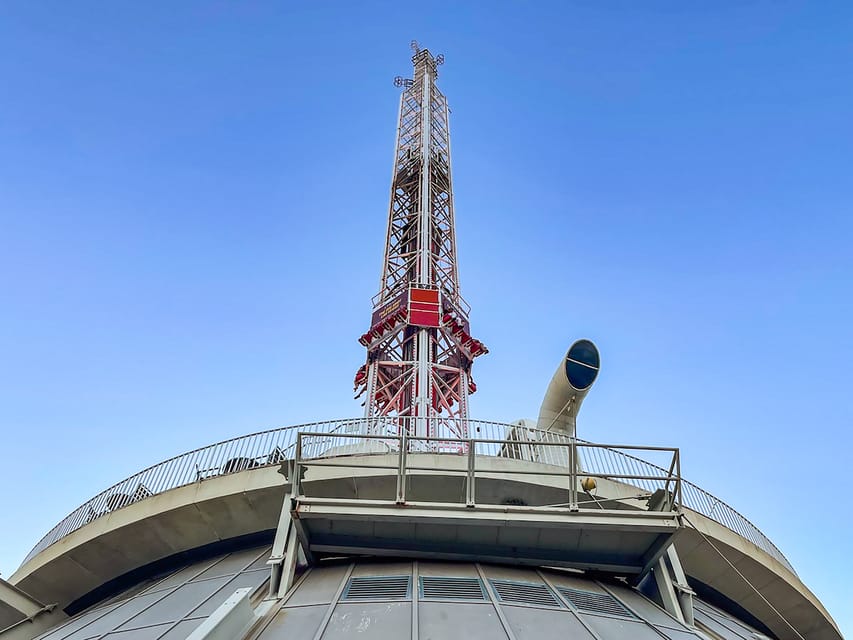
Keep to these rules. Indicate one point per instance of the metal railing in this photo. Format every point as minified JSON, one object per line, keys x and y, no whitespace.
{"x":322,"y":449}
{"x":267,"y":448}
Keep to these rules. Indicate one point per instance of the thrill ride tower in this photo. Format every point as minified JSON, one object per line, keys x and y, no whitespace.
{"x":419,"y":345}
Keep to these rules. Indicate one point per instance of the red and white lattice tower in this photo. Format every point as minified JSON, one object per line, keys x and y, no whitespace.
{"x":419,"y":346}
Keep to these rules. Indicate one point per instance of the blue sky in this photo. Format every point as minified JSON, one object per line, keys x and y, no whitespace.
{"x":193,"y":201}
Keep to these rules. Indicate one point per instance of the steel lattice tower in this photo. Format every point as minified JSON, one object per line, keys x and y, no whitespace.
{"x":419,"y":346}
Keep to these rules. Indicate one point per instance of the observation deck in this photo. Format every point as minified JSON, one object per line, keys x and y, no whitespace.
{"x":510,"y":494}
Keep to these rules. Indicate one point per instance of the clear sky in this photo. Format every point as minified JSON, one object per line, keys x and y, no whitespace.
{"x":193,"y":204}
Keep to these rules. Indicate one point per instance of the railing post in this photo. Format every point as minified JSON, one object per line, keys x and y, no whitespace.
{"x":573,"y":476}
{"x":678,"y":478}
{"x":471,"y":489}
{"x":297,"y":467}
{"x":401,"y":468}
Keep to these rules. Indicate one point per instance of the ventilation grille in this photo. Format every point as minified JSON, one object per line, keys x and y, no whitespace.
{"x":595,"y":602}
{"x":378,"y":588}
{"x":524,"y":593}
{"x":452,"y":588}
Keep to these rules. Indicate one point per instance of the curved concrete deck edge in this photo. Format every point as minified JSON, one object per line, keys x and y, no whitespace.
{"x":239,"y":504}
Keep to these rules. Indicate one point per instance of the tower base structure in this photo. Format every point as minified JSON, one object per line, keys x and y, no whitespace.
{"x":294,"y":533}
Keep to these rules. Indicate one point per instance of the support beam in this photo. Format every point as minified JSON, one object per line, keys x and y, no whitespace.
{"x":685,"y":593}
{"x":21,"y":601}
{"x":670,"y":582}
{"x":279,"y":548}
{"x":283,"y":566}
{"x":666,"y":589}
{"x":288,"y":567}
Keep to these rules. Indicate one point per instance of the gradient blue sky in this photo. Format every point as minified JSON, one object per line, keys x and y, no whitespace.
{"x":192,"y":210}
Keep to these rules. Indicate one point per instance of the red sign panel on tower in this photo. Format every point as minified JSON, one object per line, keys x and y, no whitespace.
{"x":389,"y":310}
{"x":424,"y":307}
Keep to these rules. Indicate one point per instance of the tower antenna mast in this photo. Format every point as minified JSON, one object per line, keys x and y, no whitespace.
{"x":419,"y":345}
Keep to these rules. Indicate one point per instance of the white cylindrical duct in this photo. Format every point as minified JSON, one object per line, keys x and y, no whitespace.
{"x":569,"y":386}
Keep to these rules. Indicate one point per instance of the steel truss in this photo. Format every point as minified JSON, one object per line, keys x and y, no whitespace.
{"x":419,"y":347}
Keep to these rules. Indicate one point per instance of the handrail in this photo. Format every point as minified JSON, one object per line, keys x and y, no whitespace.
{"x":347,"y":451}
{"x":271,"y":447}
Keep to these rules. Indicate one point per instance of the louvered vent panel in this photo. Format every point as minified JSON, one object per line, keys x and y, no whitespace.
{"x":595,"y":602}
{"x":452,"y":588}
{"x":377,"y":588}
{"x":525,"y":593}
